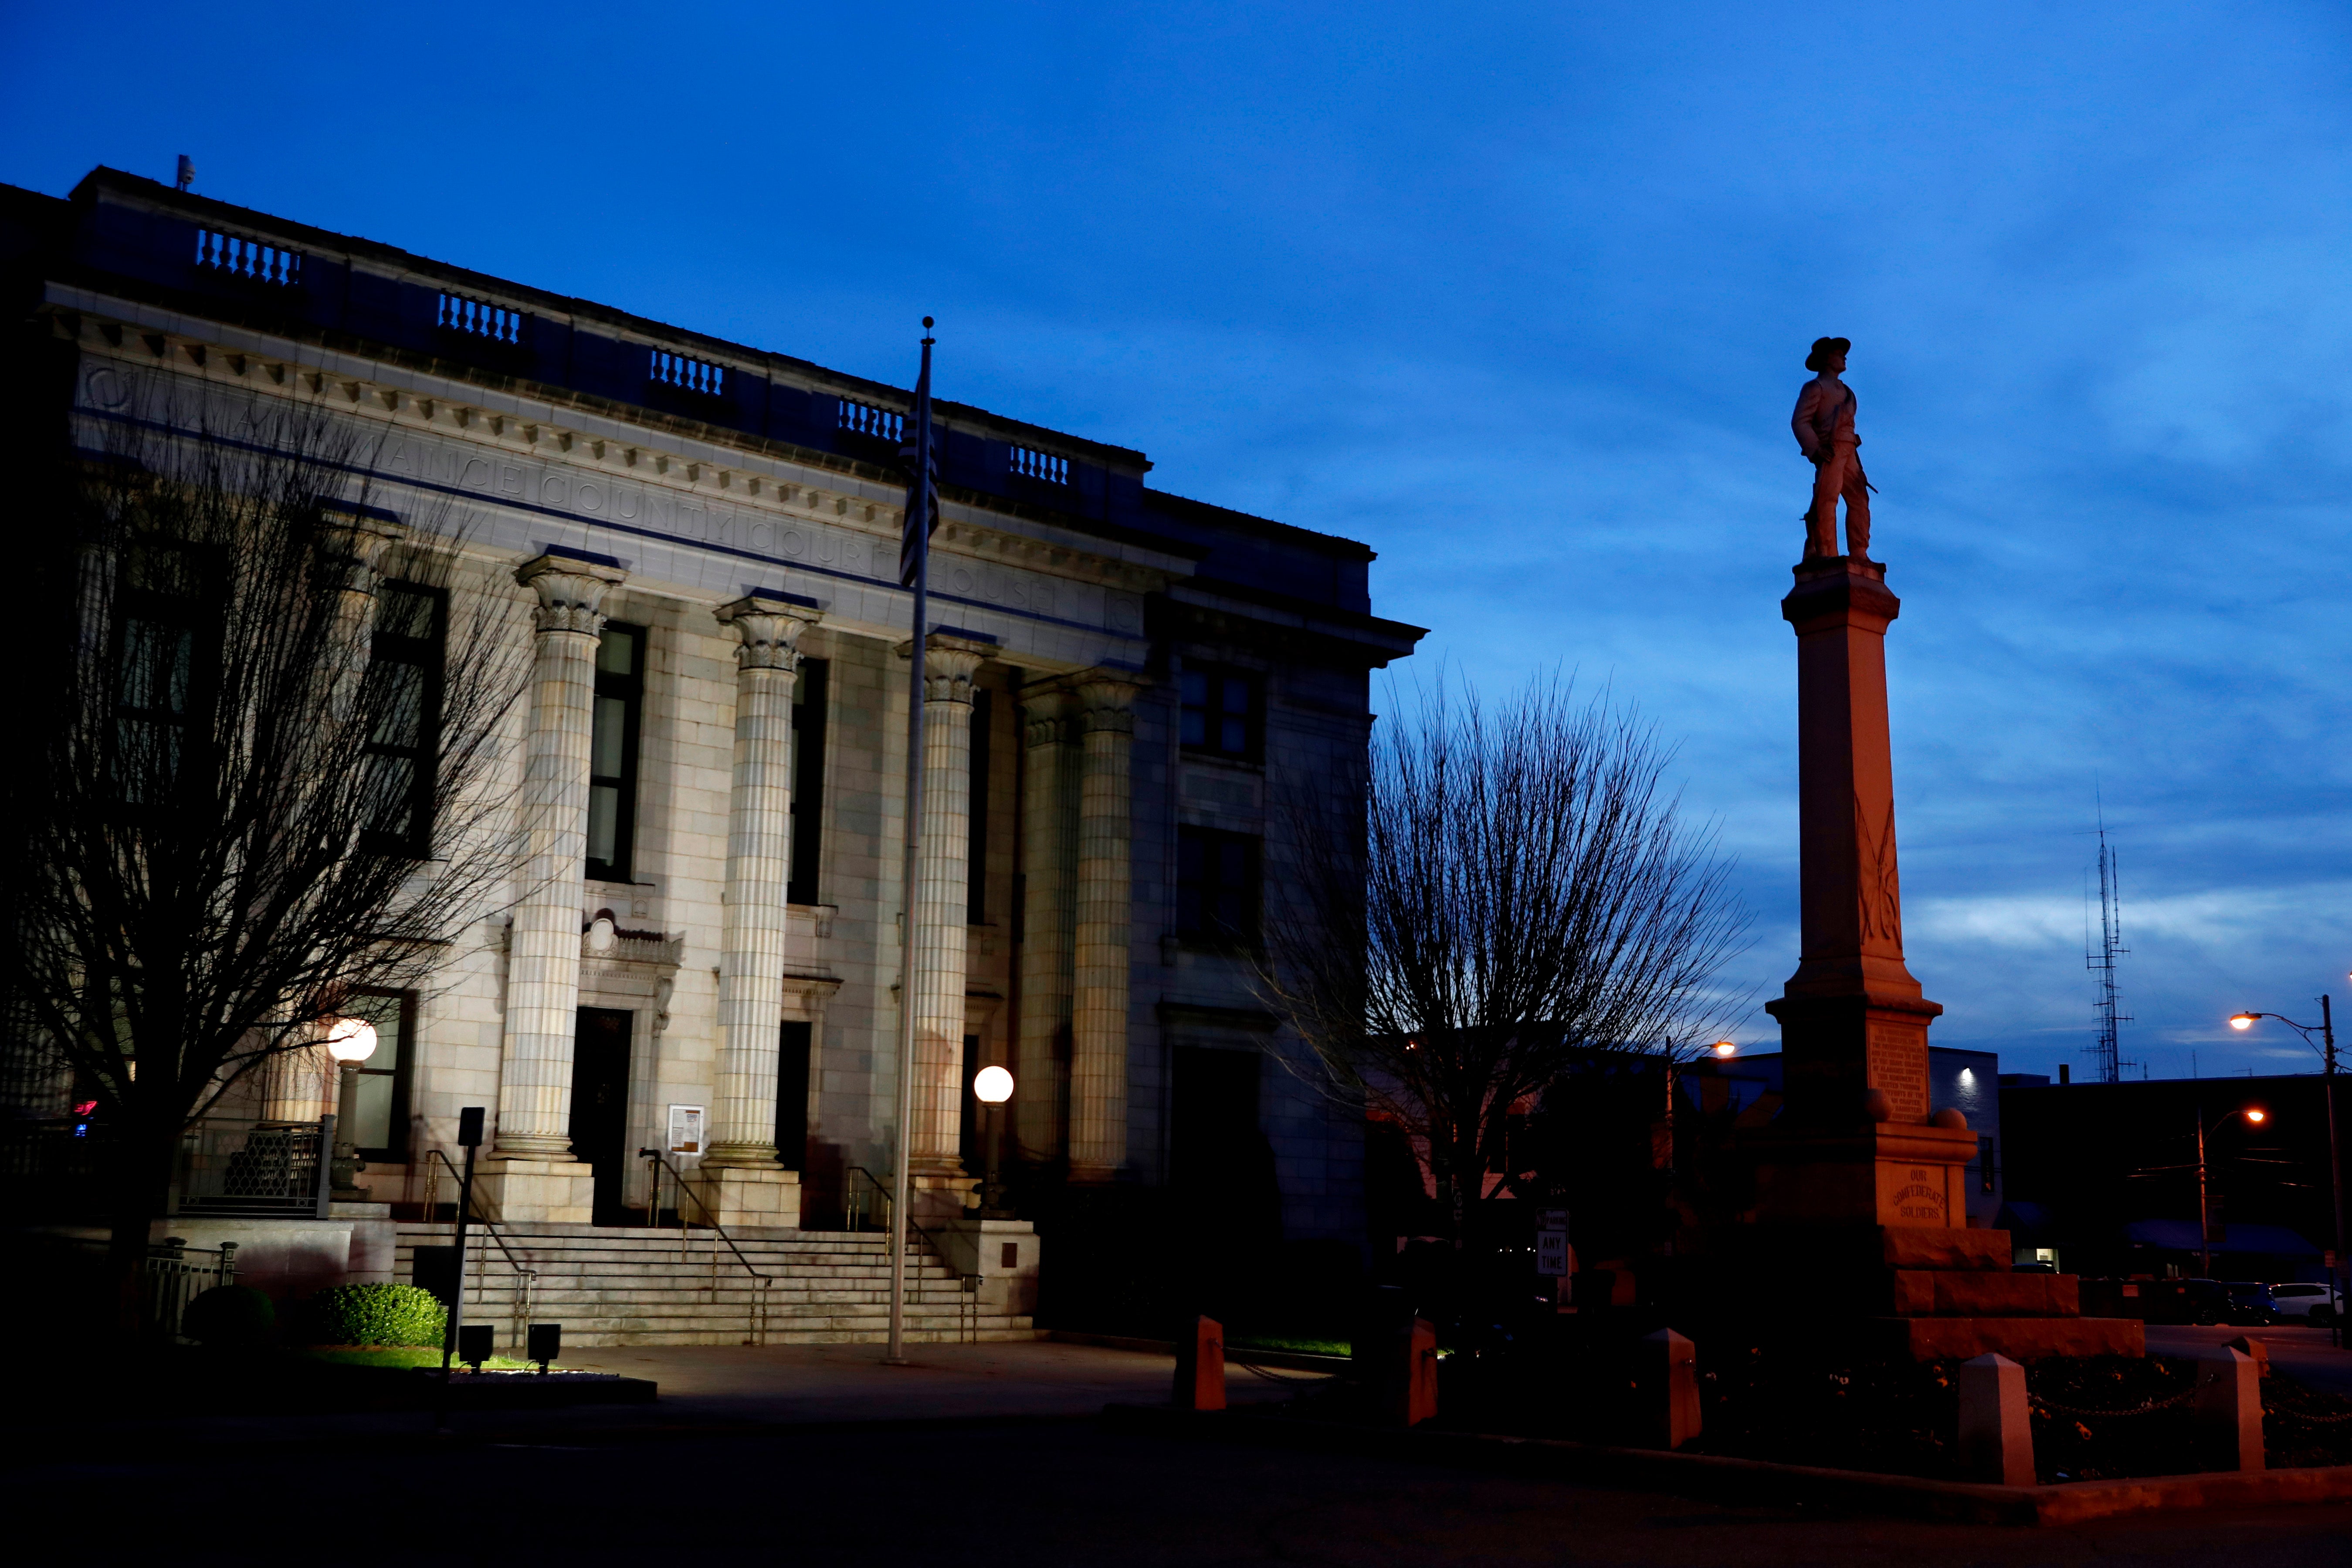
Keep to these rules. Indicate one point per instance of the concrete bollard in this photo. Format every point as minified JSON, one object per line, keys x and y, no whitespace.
{"x":1996,"y":1426}
{"x":1412,"y":1378}
{"x":2256,"y":1348}
{"x":1669,"y":1390}
{"x":1201,"y":1366}
{"x":2229,"y":1405}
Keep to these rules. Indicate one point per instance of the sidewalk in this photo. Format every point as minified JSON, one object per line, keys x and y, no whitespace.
{"x":2302,"y":1352}
{"x":708,"y":1387}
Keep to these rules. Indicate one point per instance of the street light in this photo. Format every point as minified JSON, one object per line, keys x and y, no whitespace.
{"x":350,"y":1041}
{"x":2253,"y":1113}
{"x":992,"y":1086}
{"x":1726,"y":1048}
{"x":2326,"y":1047}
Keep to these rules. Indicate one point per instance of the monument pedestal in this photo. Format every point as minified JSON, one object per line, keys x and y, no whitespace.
{"x":1857,"y":1184}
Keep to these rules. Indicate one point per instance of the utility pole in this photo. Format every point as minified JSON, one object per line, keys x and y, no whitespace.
{"x":2204,"y":1209}
{"x":2336,"y":1276}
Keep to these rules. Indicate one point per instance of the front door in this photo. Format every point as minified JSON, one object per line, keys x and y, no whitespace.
{"x":600,"y":1105}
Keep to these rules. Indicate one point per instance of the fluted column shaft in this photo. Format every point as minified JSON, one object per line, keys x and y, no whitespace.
{"x":1049,"y":836}
{"x":758,"y":865}
{"x":1099,"y":1004}
{"x":942,"y":895}
{"x":543,"y":960}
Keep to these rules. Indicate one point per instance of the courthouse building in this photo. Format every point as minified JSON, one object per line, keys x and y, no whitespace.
{"x":702,"y":955}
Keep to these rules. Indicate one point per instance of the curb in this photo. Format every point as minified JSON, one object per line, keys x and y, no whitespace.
{"x":1760,"y":1480}
{"x":1297,"y":1361}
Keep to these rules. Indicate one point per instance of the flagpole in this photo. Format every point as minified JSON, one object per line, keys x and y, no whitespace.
{"x":918,"y":530}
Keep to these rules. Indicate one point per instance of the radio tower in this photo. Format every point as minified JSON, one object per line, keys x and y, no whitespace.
{"x":2102,"y":964}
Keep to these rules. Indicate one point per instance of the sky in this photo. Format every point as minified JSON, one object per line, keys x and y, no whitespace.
{"x":1519,"y":296}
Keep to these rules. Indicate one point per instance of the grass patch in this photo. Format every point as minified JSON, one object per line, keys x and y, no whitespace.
{"x":397,"y":1356}
{"x":1299,"y":1344}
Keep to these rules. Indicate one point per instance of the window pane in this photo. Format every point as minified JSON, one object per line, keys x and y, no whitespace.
{"x":617,"y":653}
{"x":400,"y":710}
{"x":604,"y":817}
{"x":1234,"y":736}
{"x":1237,"y":694}
{"x":156,"y":659}
{"x":612,"y":727}
{"x":1196,"y":727}
{"x":1196,"y":690}
{"x":402,"y":613}
{"x":393,"y":783}
{"x":371,"y":1109}
{"x":383,"y":1012}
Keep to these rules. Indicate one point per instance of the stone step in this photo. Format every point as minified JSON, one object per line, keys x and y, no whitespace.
{"x":622,"y":1264}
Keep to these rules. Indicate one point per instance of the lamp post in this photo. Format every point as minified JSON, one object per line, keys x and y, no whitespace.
{"x":350,"y":1041}
{"x":993,"y":1086}
{"x":2326,"y":1047}
{"x":2253,"y":1113}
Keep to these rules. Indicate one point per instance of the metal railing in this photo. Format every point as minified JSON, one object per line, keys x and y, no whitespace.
{"x":656,"y":1163}
{"x":520,"y":1304}
{"x":282,"y":1169}
{"x":967,"y":1285}
{"x":177,"y":1274}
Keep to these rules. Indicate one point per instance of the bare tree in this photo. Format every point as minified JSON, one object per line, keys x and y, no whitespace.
{"x":260,"y":766}
{"x":1520,"y":890}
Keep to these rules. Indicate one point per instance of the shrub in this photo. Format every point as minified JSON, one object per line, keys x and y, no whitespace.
{"x":374,"y":1315}
{"x":230,"y":1317}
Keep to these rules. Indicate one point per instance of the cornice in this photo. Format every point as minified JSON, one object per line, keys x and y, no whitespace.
{"x":843,"y":495}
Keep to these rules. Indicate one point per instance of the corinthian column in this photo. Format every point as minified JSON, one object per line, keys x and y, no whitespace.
{"x":745,"y":1185}
{"x":1099,"y":1002}
{"x":1049,"y":838}
{"x":941,"y":892}
{"x":543,"y":961}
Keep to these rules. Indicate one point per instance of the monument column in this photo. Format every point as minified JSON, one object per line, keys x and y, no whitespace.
{"x":533,"y":1174}
{"x":1853,"y":1024}
{"x":742,"y":1183}
{"x":942,"y":889}
{"x":1049,"y":838}
{"x":1105,"y":897}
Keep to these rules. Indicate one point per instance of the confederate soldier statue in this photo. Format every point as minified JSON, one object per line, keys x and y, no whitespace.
{"x":1824,"y":425}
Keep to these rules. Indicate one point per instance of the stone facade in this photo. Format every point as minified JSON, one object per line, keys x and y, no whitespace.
{"x":1118,"y":678}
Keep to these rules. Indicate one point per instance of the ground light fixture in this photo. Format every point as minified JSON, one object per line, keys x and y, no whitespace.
{"x":992,"y":1086}
{"x":350,"y":1041}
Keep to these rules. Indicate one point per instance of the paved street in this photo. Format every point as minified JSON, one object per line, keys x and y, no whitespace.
{"x":2302,"y":1352}
{"x":978,"y":1455}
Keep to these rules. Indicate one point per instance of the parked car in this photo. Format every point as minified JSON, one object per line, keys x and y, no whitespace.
{"x":2250,"y":1302}
{"x":2311,"y":1303}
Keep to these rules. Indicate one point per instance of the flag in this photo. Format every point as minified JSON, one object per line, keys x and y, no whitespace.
{"x":921,"y":454}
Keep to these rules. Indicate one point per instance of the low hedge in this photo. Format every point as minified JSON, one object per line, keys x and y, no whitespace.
{"x":230,"y":1317}
{"x":374,"y":1315}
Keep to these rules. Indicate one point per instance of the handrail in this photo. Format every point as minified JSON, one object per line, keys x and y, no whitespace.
{"x":712,"y":1220}
{"x":490,"y":1227}
{"x":937,"y":1250}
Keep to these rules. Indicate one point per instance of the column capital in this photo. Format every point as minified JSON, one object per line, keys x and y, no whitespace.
{"x":770,"y":626}
{"x":1106,"y":700}
{"x":571,"y":591}
{"x":950,"y":661}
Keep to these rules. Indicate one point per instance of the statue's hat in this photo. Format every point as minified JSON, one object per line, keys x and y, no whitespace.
{"x":1824,"y":348}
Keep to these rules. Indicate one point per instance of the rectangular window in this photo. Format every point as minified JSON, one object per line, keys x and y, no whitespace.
{"x":404,"y":665}
{"x":976,"y":859}
{"x":686,"y":374}
{"x":379,"y":1109}
{"x":1030,"y":462}
{"x":164,"y":656}
{"x":1216,"y":887}
{"x":480,"y":318}
{"x":241,"y":258}
{"x":612,"y":751}
{"x":808,"y":783}
{"x":1220,"y":714}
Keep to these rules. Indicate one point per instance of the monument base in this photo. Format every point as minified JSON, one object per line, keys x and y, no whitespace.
{"x":537,"y":1192}
{"x":1922,"y":1293}
{"x":741,"y":1196}
{"x":1882,"y":1173}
